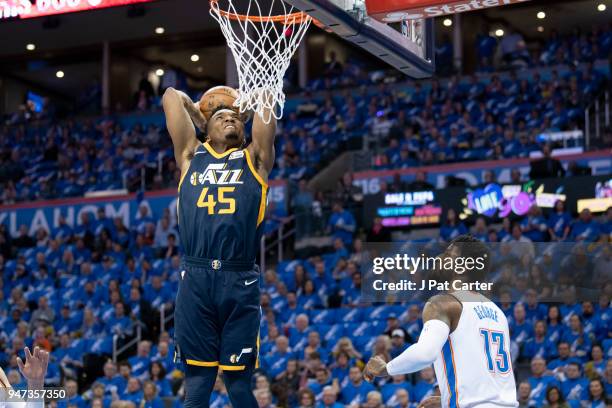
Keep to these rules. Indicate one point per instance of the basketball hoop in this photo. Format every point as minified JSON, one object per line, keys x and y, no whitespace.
{"x":262,"y":41}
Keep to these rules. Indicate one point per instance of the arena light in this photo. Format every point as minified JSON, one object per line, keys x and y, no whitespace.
{"x":30,"y":47}
{"x":540,"y":29}
{"x":601,"y":7}
{"x":447,"y":22}
{"x":195,"y":58}
{"x":541,"y":15}
{"x":159,"y":72}
{"x":59,"y":74}
{"x":160,"y":30}
{"x":499,"y":32}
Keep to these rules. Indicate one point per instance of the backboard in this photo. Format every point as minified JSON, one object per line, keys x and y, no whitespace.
{"x":398,"y":10}
{"x":404,"y":44}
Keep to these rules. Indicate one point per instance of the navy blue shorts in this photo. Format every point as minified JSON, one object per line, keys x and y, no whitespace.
{"x":217,"y":314}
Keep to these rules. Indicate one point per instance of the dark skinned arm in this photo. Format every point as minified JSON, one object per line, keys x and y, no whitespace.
{"x":181,"y":113}
{"x":262,"y":146}
{"x":444,"y":308}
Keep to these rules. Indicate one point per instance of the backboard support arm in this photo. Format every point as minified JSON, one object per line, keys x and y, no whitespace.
{"x":375,"y":37}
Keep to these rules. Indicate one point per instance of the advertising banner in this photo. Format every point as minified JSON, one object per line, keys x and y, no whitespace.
{"x":402,"y":209}
{"x":38,"y":8}
{"x":45,"y":214}
{"x":493,"y":201}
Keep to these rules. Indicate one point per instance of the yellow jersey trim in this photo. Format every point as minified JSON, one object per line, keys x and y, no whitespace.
{"x":183,"y":175}
{"x":215,"y":154}
{"x":202,"y":363}
{"x":262,"y":206}
{"x":183,"y":178}
{"x":257,"y":358}
{"x":264,"y":188}
{"x":253,"y":170}
{"x":231,"y":368}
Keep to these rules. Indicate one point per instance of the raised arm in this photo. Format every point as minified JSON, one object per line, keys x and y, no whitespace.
{"x":34,"y":370}
{"x":262,"y":146}
{"x":181,"y":114}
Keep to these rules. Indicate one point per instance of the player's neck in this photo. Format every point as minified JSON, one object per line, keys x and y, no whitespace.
{"x":470,"y":294}
{"x":219,"y":147}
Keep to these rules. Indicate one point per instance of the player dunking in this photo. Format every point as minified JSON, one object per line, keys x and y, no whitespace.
{"x":221,"y":207}
{"x":467,"y":339}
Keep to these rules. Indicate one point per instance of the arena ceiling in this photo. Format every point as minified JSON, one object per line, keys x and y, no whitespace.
{"x":180,"y":17}
{"x":562,"y":15}
{"x":92,"y":27}
{"x":188,"y":28}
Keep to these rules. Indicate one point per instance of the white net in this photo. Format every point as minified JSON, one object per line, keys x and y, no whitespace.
{"x":262,"y":40}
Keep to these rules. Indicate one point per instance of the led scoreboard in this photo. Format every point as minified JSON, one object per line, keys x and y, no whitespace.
{"x":22,"y":9}
{"x":404,"y":209}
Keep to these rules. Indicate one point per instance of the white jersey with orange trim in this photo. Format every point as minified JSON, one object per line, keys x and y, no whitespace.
{"x":474,"y":368}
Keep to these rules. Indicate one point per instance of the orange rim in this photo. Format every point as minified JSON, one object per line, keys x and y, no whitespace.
{"x":288,"y":19}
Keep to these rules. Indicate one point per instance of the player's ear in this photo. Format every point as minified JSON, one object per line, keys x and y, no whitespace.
{"x":246,"y":116}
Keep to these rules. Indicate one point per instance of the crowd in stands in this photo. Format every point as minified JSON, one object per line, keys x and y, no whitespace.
{"x":80,"y":291}
{"x":462,"y":119}
{"x":482,"y":121}
{"x":473,"y":118}
{"x":426,"y":126}
{"x":494,"y":54}
{"x":458,"y":119}
{"x":512,"y":51}
{"x":71,"y":290}
{"x":70,"y":158}
{"x":535,"y":226}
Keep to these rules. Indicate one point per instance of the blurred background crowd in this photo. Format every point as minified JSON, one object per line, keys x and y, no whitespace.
{"x":97,"y":290}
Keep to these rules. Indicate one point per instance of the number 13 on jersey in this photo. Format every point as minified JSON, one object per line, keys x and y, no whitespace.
{"x":494,"y":342}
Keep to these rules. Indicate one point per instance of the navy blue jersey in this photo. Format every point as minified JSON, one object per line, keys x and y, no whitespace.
{"x":221,"y":206}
